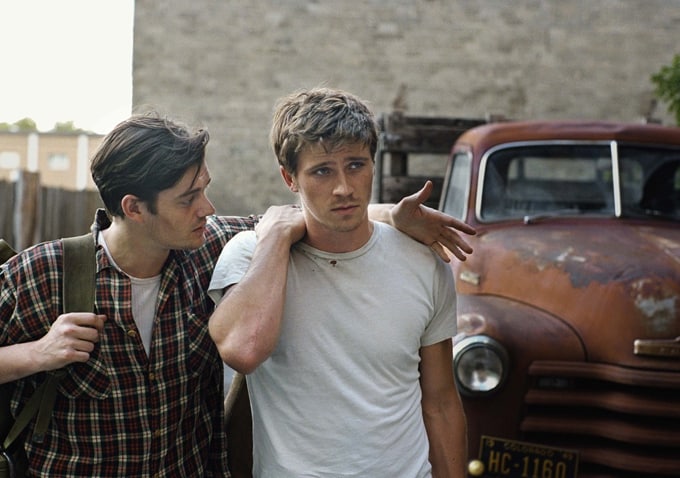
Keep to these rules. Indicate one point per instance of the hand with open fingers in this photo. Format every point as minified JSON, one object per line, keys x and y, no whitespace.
{"x":431,"y":227}
{"x":71,"y":338}
{"x":284,"y":221}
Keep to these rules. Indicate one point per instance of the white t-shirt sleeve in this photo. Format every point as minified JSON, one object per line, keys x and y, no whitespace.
{"x":232,"y":264}
{"x":443,"y":324}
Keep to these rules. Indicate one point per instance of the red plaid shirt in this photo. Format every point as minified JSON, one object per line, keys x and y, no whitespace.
{"x":124,"y":413}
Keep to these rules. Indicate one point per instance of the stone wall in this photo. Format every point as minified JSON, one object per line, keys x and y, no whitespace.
{"x":223,"y":64}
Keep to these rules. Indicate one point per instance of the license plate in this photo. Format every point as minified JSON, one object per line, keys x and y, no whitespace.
{"x":516,"y":459}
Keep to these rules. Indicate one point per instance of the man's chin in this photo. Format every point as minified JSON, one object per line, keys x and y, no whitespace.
{"x":348,"y":226}
{"x":194,"y":243}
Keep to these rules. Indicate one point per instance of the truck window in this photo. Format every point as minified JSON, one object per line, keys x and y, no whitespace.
{"x":650,"y":180}
{"x":559,"y":179}
{"x":455,"y":198}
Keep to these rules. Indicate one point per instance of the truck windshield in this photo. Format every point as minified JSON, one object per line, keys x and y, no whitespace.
{"x":526,"y":180}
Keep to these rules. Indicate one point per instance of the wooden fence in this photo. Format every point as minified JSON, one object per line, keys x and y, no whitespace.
{"x":31,"y":213}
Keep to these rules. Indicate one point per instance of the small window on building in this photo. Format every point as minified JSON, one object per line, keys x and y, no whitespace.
{"x":9,"y":160}
{"x":58,"y":162}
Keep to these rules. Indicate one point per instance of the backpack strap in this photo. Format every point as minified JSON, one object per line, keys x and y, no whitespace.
{"x":78,"y":295}
{"x":79,"y":273}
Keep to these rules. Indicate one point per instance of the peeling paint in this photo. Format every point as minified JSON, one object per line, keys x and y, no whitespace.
{"x":562,"y":257}
{"x":661,"y":312}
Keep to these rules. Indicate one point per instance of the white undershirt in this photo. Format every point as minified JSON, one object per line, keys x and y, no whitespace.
{"x":144,"y":297}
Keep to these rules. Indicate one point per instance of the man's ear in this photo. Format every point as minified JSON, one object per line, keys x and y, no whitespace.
{"x":132,"y":207}
{"x":289,"y":180}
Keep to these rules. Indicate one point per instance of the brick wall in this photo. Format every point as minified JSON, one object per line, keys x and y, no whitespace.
{"x":224,"y":63}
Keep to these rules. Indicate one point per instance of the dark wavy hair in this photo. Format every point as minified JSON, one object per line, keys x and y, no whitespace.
{"x":143,"y":155}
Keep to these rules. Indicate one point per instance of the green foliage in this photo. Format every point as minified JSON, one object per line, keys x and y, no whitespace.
{"x":25,"y":124}
{"x":667,"y":83}
{"x":66,"y":127}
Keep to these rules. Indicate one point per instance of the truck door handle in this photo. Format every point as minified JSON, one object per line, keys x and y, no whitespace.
{"x":657,"y":347}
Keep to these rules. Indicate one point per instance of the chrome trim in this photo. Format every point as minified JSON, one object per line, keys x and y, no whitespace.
{"x":668,"y":348}
{"x":616,"y":178}
{"x":486,"y":342}
{"x":469,"y":277}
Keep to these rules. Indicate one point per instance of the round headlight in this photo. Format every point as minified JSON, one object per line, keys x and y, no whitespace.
{"x":480,"y":365}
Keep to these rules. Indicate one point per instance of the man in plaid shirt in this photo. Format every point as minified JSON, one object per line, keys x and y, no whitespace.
{"x":142,"y":394}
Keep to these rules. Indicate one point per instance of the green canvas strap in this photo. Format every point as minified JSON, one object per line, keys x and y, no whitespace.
{"x":41,"y":403}
{"x":79,"y":275}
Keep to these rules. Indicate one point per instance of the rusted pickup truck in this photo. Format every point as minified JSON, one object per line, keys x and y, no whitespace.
{"x":568,"y":352}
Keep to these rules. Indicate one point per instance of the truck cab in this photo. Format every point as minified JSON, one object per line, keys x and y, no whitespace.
{"x":567,"y":356}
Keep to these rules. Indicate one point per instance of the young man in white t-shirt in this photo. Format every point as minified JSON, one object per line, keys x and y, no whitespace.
{"x":342,"y":324}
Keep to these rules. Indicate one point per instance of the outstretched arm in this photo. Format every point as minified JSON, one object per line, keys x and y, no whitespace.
{"x":424,"y":224}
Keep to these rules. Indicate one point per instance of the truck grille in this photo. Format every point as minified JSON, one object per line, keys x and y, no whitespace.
{"x":625,"y":423}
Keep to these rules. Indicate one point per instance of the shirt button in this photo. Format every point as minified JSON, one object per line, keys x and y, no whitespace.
{"x":152,"y":376}
{"x":132,"y":333}
{"x":157,"y":434}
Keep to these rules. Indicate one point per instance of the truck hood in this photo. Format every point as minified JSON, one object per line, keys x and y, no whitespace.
{"x":626,"y":273}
